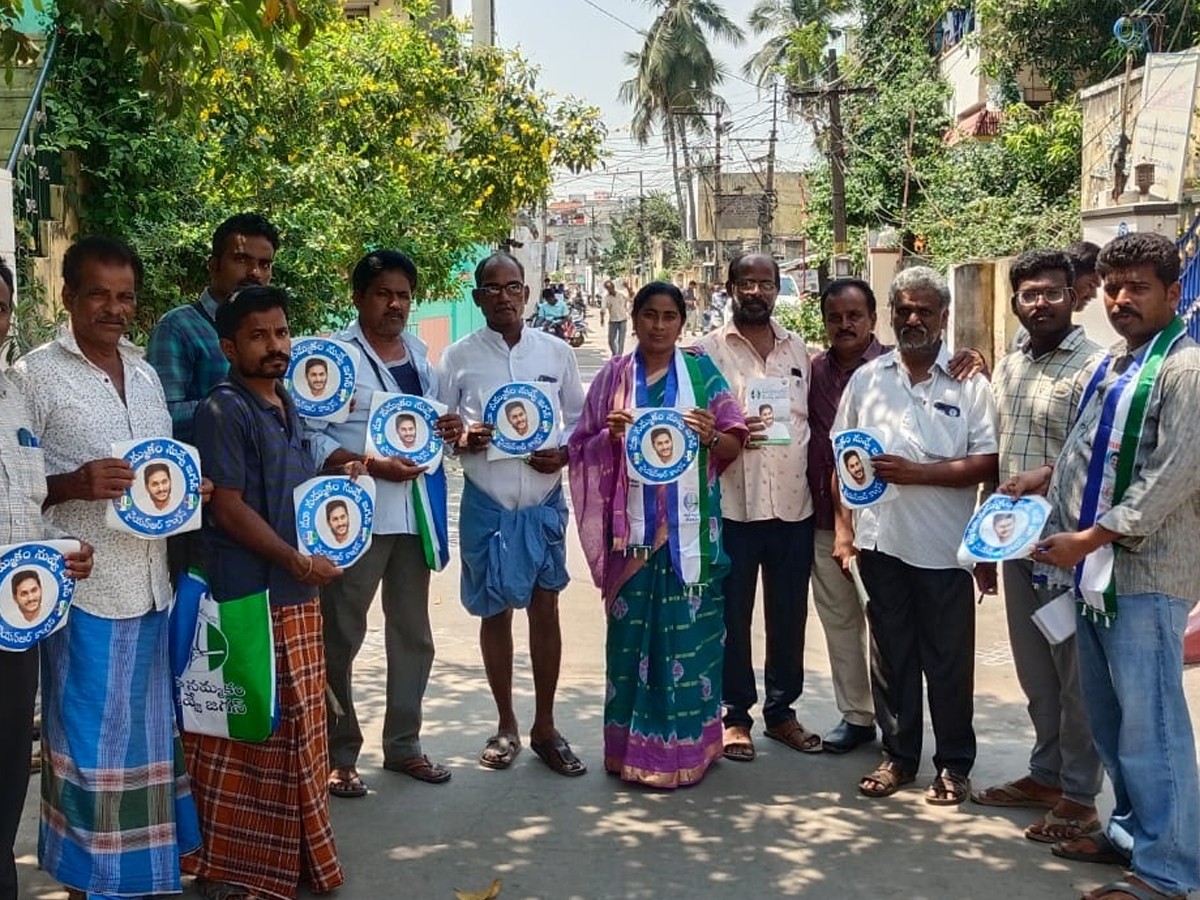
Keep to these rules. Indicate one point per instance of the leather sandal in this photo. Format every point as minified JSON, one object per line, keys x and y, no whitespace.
{"x":887,"y":778}
{"x":421,"y":768}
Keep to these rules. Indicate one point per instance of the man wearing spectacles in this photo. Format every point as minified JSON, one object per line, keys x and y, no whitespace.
{"x":768,"y":514}
{"x":1037,"y":389}
{"x":519,"y":500}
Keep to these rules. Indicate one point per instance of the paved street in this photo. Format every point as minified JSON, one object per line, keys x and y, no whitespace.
{"x":787,"y":825}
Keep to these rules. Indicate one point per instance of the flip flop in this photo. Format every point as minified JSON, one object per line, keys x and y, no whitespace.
{"x":345,"y":783}
{"x":500,"y":750}
{"x":421,"y":768}
{"x":1078,"y":828}
{"x":1012,"y":795}
{"x":557,"y":754}
{"x":1106,"y":852}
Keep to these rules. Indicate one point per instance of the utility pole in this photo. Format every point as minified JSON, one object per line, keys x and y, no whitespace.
{"x":716,"y":210}
{"x":832,"y":94}
{"x":642,"y":262}
{"x":837,"y":159}
{"x":766,"y":215}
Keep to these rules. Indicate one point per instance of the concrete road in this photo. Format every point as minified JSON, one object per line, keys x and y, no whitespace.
{"x":786,"y":825}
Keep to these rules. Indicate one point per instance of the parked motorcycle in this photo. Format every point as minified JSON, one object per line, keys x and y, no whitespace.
{"x":568,"y":329}
{"x":714,"y":316}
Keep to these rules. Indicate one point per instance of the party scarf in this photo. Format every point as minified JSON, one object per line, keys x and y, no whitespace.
{"x":689,"y":535}
{"x":1114,"y":452}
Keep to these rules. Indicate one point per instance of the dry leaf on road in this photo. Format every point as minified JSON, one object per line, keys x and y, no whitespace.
{"x":490,"y":894}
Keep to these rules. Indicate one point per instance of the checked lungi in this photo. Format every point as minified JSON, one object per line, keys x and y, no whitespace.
{"x":264,"y":808}
{"x":116,"y":810}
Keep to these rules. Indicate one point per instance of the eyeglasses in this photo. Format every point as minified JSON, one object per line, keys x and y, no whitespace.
{"x":513,"y":289}
{"x":748,"y":284}
{"x":1052,"y":296}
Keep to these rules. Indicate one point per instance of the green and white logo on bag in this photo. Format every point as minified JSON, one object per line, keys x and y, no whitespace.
{"x":227,"y":685}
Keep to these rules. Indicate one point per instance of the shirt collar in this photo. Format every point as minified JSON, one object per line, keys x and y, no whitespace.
{"x":941,"y":362}
{"x":1073,"y":340}
{"x":209,"y":304}
{"x":236,"y":379}
{"x":129,"y":351}
{"x":781,"y":334}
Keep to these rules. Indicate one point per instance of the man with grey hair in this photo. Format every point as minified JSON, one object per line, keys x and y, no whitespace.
{"x":940,"y":438}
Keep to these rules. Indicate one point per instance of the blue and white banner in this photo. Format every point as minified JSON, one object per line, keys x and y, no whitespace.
{"x":524,"y":419}
{"x":321,"y":378}
{"x":35,"y":592}
{"x":164,"y":498}
{"x":1003,"y":528}
{"x":852,"y":453}
{"x":403,"y":425}
{"x":659,"y":446}
{"x":335,"y":517}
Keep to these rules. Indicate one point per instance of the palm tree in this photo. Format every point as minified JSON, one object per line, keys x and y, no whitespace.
{"x":798,"y":31}
{"x":675,"y":80}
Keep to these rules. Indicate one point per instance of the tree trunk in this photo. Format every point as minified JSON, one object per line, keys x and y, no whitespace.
{"x":669,"y":137}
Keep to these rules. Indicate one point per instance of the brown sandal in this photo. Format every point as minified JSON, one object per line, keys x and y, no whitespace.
{"x":948,"y":789}
{"x":739,"y":746}
{"x":796,"y":736}
{"x":344,"y":782}
{"x":420,"y":768}
{"x":1053,"y":828}
{"x":888,"y":777}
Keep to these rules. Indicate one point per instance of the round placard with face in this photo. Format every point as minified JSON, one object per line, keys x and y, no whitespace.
{"x":852,"y":452}
{"x":335,"y":518}
{"x":1005,"y":528}
{"x":320,"y":377}
{"x":522,"y":418}
{"x":660,"y":447}
{"x":165,"y":495}
{"x":35,"y":594}
{"x":404,"y":426}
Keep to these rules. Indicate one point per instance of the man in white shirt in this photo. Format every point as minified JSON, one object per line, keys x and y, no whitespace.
{"x":115,"y":750}
{"x":940,"y":442}
{"x":616,"y":307}
{"x":392,"y":361}
{"x":513,"y":515}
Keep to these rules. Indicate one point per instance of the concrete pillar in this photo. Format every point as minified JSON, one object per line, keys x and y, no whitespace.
{"x":881,"y":269}
{"x":483,"y":22}
{"x":972,"y":307}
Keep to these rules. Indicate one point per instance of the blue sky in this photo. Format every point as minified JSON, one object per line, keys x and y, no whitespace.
{"x":579,"y":51}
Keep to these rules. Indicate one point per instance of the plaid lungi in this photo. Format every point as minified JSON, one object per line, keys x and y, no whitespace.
{"x":264,"y":808}
{"x":116,"y":809}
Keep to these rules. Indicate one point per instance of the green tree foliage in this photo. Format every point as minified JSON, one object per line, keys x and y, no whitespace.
{"x":1070,"y":43}
{"x":657,"y":217}
{"x":950,"y":201}
{"x":675,"y":78}
{"x":383,"y":135}
{"x":174,"y":38}
{"x":795,"y":34}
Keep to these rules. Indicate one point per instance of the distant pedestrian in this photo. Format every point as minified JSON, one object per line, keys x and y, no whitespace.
{"x":692,"y":302}
{"x":616,"y":309}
